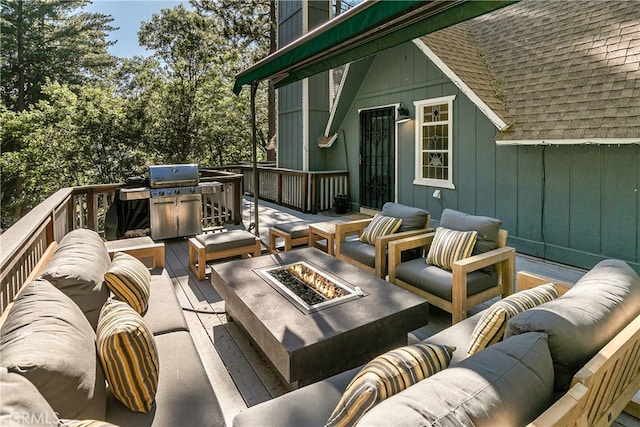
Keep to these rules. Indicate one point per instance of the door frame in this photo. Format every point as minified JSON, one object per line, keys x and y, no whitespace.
{"x":395,"y":148}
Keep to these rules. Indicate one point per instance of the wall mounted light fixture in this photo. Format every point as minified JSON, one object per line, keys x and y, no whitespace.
{"x":403,"y":114}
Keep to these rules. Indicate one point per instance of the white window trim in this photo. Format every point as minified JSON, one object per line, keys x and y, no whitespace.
{"x":418,"y":180}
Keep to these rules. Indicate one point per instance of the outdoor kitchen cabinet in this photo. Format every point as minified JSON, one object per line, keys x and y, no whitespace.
{"x":174,"y":216}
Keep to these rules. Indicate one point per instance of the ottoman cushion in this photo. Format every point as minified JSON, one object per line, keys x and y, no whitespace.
{"x":226,"y":240}
{"x":296,"y":229}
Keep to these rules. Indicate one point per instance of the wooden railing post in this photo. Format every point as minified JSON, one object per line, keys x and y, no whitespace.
{"x":314,"y":194}
{"x":279,"y":186}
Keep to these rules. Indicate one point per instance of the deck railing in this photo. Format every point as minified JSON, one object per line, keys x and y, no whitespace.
{"x":313,"y":191}
{"x":24,"y":243}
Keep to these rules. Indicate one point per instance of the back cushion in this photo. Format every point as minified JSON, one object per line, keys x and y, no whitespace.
{"x":48,"y":340}
{"x":22,"y":404}
{"x":77,"y":268}
{"x":486,"y":227}
{"x":508,"y":384}
{"x":412,"y":218}
{"x":585,"y":318}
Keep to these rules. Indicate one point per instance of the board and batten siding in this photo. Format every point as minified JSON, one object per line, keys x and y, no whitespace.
{"x":572,"y":204}
{"x":293,"y":100}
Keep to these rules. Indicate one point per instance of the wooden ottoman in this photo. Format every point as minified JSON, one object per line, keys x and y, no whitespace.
{"x":208,"y":247}
{"x":293,"y":233}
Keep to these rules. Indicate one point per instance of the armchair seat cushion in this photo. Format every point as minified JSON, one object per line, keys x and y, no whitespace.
{"x":362,"y":252}
{"x":412,"y":218}
{"x":437,"y":281}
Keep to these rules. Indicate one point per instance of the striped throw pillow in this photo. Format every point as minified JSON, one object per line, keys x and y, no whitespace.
{"x":129,"y":357}
{"x":379,"y":226}
{"x":130,"y":281}
{"x":449,"y":246}
{"x":493,"y":322}
{"x":386,"y":375}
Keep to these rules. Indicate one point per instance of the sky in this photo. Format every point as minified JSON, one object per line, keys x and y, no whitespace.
{"x":128,"y":14}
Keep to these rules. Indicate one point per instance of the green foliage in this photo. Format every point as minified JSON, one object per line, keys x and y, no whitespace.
{"x":192,"y":112}
{"x":49,"y":40}
{"x":73,"y":115}
{"x":68,"y":139}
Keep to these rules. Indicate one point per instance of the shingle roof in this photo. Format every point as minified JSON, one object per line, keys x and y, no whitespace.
{"x":553,"y":69}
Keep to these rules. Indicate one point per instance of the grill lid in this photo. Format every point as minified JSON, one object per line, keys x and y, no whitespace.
{"x":164,"y":176}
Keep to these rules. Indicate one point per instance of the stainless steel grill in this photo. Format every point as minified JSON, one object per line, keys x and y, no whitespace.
{"x":175,"y":205}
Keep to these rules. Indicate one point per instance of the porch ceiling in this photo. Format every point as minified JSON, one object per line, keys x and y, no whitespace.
{"x":366,"y":29}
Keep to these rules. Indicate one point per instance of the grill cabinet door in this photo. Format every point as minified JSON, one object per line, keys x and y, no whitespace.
{"x":164,"y":217}
{"x":189,"y":215}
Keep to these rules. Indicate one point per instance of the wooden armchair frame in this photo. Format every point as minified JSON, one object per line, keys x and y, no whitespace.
{"x":356,"y":227}
{"x":503,"y":258}
{"x":607,"y":385}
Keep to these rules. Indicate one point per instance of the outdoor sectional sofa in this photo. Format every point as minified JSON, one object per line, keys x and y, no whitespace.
{"x":573,"y":358}
{"x":48,"y":350}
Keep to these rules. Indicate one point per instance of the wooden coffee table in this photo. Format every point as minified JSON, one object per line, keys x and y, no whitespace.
{"x":307,"y":347}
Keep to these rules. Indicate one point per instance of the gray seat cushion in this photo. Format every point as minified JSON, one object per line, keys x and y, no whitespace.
{"x":77,"y":268}
{"x":457,"y":335}
{"x":486,"y":227}
{"x":165,"y":313}
{"x":48,"y":340}
{"x":22,"y":404}
{"x":231,"y":239}
{"x":585,"y":318}
{"x":307,"y":406}
{"x":507,"y":384}
{"x":184,"y":397}
{"x":438,"y":281}
{"x":362,"y":252}
{"x":296,"y":229}
{"x":412,"y":218}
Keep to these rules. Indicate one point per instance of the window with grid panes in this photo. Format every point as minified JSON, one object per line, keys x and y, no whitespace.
{"x":434,"y":143}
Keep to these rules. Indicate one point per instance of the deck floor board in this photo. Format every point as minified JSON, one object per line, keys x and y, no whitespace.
{"x":239,"y":374}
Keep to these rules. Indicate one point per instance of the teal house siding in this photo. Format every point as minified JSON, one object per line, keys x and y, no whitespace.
{"x":532,"y":118}
{"x":575,"y":204}
{"x":301,"y":115}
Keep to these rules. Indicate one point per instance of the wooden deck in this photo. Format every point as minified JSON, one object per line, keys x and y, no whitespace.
{"x":240,"y":376}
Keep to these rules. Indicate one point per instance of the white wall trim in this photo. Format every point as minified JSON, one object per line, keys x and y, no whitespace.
{"x":305,"y":96}
{"x":482,"y":106}
{"x":586,"y":141}
{"x":336,"y":101}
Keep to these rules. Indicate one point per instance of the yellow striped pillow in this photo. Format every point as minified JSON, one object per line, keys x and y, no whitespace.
{"x":386,"y":375}
{"x":129,"y":357}
{"x":380,"y":225}
{"x":449,"y":246}
{"x":490,"y":329}
{"x":130,"y":281}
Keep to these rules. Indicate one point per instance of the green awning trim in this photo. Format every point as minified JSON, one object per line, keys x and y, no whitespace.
{"x":364,"y":30}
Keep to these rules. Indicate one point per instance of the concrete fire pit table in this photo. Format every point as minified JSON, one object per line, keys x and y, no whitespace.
{"x":305,"y":347}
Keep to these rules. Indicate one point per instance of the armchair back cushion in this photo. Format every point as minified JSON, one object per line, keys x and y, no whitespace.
{"x":412,"y":218}
{"x":585,"y":318}
{"x":486,"y":227}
